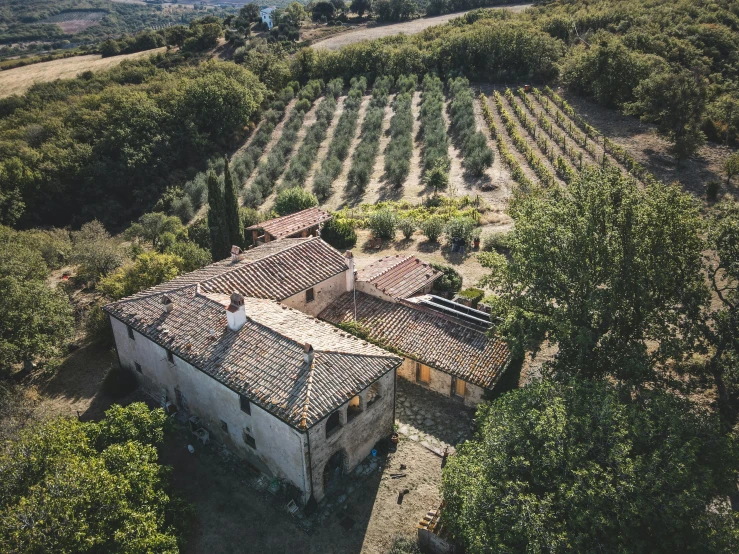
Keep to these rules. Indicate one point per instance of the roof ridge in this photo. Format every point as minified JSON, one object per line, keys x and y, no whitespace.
{"x":142,"y":295}
{"x":308,"y":392}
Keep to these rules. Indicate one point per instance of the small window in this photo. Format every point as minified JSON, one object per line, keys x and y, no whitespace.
{"x":170,"y":357}
{"x":245,"y":405}
{"x":138,"y":367}
{"x":249,"y":440}
{"x":224,"y":426}
{"x":130,"y":332}
{"x":310,"y":295}
{"x":333,"y":423}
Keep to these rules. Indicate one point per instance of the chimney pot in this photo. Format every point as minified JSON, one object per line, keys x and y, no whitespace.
{"x":236,"y":313}
{"x":168,"y":304}
{"x":308,"y":353}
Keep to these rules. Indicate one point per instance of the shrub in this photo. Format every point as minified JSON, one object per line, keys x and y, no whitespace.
{"x":182,"y":208}
{"x":450,"y":281}
{"x":293,"y":200}
{"x":97,"y":326}
{"x":400,"y":148}
{"x":404,"y":545}
{"x":496,"y":241}
{"x":193,"y":256}
{"x":460,"y":228}
{"x":339,"y":233}
{"x":118,"y":383}
{"x":407,"y":226}
{"x":433,"y":127}
{"x":473,"y":295}
{"x":383,"y":224}
{"x":432,"y":228}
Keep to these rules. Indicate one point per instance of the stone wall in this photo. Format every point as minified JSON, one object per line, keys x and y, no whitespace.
{"x":324,"y":293}
{"x":371,"y":289}
{"x":279,"y":448}
{"x":355,"y":438}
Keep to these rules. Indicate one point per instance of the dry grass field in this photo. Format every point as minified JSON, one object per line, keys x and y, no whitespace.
{"x":18,"y":80}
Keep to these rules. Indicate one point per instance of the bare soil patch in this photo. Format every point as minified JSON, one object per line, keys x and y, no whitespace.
{"x":653,"y":151}
{"x":406,"y":27}
{"x":20,"y":79}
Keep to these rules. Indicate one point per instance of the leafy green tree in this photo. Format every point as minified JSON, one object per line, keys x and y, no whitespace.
{"x":248,"y":14}
{"x":35,"y":321}
{"x":407,"y":226}
{"x":231,"y":199}
{"x":432,"y":227}
{"x":383,"y":223}
{"x":607,"y":270}
{"x":193,"y":257}
{"x":580,"y":467}
{"x":294,"y":200}
{"x":676,"y":102}
{"x":460,"y":228}
{"x":731,"y":166}
{"x":360,"y":7}
{"x":95,"y":252}
{"x":220,"y":241}
{"x":149,"y":269}
{"x":295,"y":14}
{"x":152,"y":226}
{"x":68,"y":486}
{"x":18,"y":259}
{"x":450,"y":280}
{"x":722,"y":320}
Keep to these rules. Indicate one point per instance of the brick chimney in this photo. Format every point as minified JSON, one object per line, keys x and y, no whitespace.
{"x":349,"y":259}
{"x":167,"y":303}
{"x":308,"y":353}
{"x":236,"y":313}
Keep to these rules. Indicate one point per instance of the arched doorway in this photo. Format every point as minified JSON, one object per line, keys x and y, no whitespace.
{"x":333,"y":470}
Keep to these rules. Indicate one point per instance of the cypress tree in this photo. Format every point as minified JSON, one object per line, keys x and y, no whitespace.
{"x":220,"y":245}
{"x":235,"y":228}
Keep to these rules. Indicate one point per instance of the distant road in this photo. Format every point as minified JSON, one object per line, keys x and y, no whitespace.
{"x":19,"y":79}
{"x":407,"y":27}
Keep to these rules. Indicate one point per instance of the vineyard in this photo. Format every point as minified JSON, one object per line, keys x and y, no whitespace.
{"x":408,"y":139}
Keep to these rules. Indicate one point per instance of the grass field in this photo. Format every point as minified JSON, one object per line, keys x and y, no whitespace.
{"x":18,"y":80}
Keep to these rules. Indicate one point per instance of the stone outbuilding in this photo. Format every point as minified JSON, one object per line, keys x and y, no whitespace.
{"x":397,"y":277}
{"x":234,"y":347}
{"x":305,"y":223}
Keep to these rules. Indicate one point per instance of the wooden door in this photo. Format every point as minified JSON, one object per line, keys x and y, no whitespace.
{"x":458,"y":387}
{"x":423,"y":373}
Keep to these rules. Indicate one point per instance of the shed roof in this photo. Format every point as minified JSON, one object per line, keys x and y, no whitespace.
{"x":291,"y":224}
{"x":444,"y":343}
{"x":399,"y":276}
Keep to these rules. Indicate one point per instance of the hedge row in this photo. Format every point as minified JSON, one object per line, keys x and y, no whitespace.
{"x":342,"y":139}
{"x":363,"y":160}
{"x":400,"y":148}
{"x":477,"y":154}
{"x":302,"y":162}
{"x":433,"y":127}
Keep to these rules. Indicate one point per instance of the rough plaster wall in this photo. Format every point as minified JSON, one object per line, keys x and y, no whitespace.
{"x":369,"y":288}
{"x":324,"y":293}
{"x":440,"y":382}
{"x":279,"y":447}
{"x":357,"y":437}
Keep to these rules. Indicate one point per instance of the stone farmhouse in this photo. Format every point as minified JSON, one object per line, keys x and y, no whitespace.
{"x":304,"y":223}
{"x":249,"y":350}
{"x":298,"y":398}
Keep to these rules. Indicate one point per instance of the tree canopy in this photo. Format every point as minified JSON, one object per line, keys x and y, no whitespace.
{"x":572,"y":467}
{"x":68,"y":486}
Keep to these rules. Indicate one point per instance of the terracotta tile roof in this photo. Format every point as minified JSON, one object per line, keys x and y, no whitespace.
{"x":264,"y":360}
{"x":440,"y":342}
{"x":399,"y":276}
{"x":287,"y":225}
{"x":282,"y":274}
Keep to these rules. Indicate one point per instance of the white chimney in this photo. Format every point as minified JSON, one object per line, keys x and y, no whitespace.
{"x":236,"y":313}
{"x":308,"y":354}
{"x":168,"y":304}
{"x":349,"y":259}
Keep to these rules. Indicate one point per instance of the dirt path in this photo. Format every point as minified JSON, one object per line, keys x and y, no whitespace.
{"x":413,"y":188}
{"x":529,"y":140}
{"x":408,"y":28}
{"x":376,"y":189}
{"x":323,"y":149}
{"x":528,"y":172}
{"x":338,"y":198}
